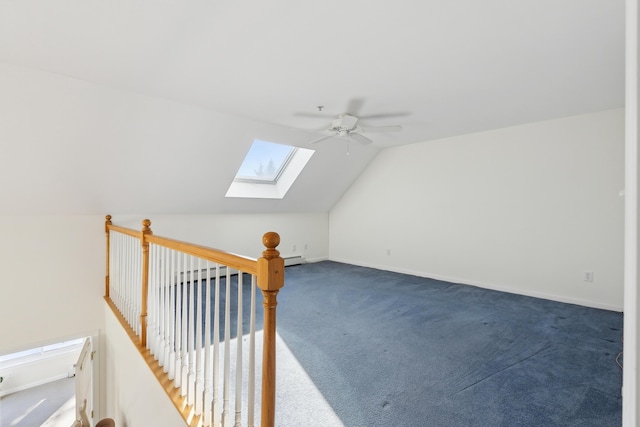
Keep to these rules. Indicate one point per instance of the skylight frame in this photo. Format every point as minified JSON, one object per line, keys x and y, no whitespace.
{"x":271,"y":188}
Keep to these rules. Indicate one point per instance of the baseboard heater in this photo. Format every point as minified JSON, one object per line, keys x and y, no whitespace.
{"x":202,"y":274}
{"x":293,"y":260}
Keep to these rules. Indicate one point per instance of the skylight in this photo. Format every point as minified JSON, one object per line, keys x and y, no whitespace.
{"x":268,"y":170}
{"x":264,"y":162}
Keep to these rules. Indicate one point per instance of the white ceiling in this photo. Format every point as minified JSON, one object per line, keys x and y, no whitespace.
{"x":454,"y":67}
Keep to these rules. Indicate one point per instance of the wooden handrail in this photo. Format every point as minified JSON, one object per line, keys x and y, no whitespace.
{"x":123,"y":230}
{"x":238,"y":262}
{"x":269,"y":270}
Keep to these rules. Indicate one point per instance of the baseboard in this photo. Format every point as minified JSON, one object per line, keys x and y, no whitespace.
{"x":290,"y":260}
{"x":312,"y":260}
{"x":493,"y":287}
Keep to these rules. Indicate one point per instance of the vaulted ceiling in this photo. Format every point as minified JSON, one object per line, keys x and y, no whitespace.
{"x":131,"y":106}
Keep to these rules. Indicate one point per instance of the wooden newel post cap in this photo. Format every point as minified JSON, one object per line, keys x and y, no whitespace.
{"x":271,"y":240}
{"x":146,"y":223}
{"x":270,"y":265}
{"x":107,"y":223}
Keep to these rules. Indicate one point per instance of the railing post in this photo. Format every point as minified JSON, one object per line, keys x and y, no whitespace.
{"x":270,"y":280}
{"x":145,"y":280}
{"x":107,"y":223}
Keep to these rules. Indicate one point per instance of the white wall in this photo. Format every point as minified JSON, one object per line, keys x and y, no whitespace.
{"x":135,"y":398}
{"x":52,"y":279}
{"x":631,"y":373}
{"x":526,"y":209}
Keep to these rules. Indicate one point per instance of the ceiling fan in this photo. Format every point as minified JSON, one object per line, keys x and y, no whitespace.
{"x":345,"y":125}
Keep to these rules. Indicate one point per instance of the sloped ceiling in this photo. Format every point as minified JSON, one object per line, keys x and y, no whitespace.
{"x":149,"y":106}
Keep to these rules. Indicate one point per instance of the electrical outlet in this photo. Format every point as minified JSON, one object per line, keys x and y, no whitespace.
{"x":388,"y":251}
{"x":294,"y":248}
{"x":588,"y":276}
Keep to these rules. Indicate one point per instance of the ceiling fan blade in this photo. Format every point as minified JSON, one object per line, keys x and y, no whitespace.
{"x":322,"y":138}
{"x":315,"y":115}
{"x":384,"y":115}
{"x":381,"y":128}
{"x":354,"y":106}
{"x":360,"y":138}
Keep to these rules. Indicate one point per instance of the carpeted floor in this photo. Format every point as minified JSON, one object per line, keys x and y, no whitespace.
{"x":47,"y":405}
{"x":386,"y":349}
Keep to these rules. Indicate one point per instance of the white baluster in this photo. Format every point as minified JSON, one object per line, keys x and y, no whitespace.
{"x":155,"y":304}
{"x":166,"y":268}
{"x":133,"y":272}
{"x":172,"y":314}
{"x":130,"y":283}
{"x":152,"y":323}
{"x":136,"y":288}
{"x":119,"y":268}
{"x":238,"y":422}
{"x":164,"y":349}
{"x":192,"y":359}
{"x":114,"y":267}
{"x":124,"y":274}
{"x":126,"y":280}
{"x":158,"y":307}
{"x":132,"y":287}
{"x":199,"y":390}
{"x":208,"y":371}
{"x":185,"y":328}
{"x":123,"y":266}
{"x":226,"y":420}
{"x":217,"y":410}
{"x":178,"y":340}
{"x":252,"y":356}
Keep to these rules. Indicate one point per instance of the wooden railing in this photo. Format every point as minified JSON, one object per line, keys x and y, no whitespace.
{"x":162,"y":291}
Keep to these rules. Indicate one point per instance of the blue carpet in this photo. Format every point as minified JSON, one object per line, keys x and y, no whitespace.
{"x":391,"y":350}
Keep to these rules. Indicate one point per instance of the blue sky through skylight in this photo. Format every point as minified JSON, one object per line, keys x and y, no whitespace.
{"x":264,"y":161}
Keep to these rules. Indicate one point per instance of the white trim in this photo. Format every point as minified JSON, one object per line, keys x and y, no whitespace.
{"x":312,"y":260}
{"x":630,"y":371}
{"x":491,"y":286}
{"x":37,"y":355}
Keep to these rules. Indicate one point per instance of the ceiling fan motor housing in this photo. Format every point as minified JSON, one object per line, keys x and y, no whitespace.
{"x":345,"y":122}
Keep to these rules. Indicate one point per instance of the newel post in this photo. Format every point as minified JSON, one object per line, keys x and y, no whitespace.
{"x":107,"y":223}
{"x":145,"y":279}
{"x":270,"y":280}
